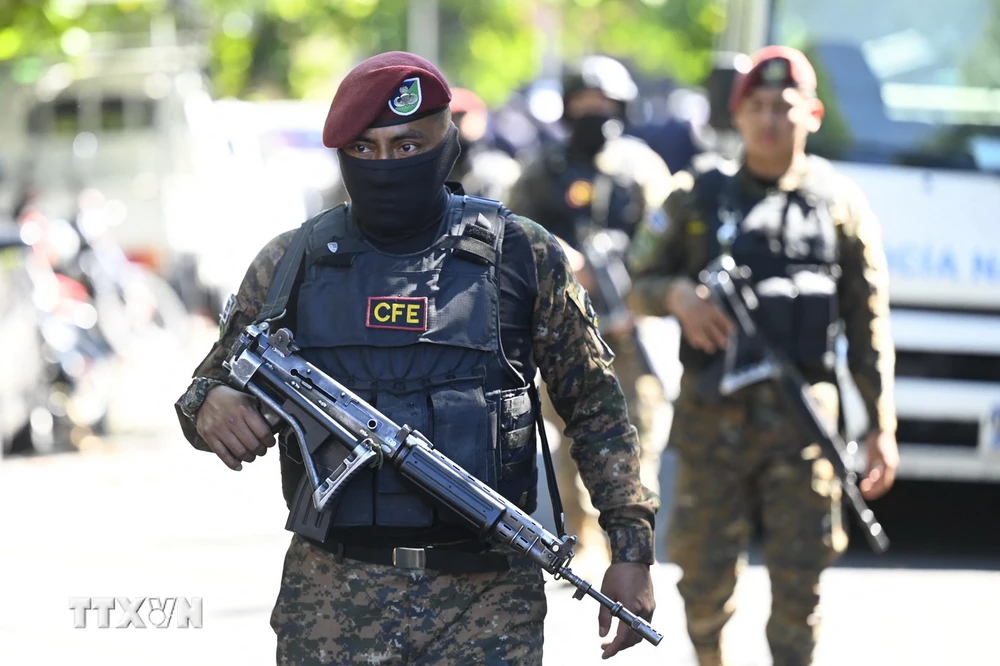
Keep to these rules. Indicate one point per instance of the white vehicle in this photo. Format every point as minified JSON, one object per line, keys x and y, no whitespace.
{"x":279,"y":175}
{"x":133,"y":123}
{"x":913,"y":116}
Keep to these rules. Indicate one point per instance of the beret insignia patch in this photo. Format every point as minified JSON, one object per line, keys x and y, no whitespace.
{"x":408,"y":100}
{"x":775,"y":71}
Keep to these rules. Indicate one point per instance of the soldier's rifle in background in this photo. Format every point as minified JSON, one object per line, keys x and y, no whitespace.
{"x":324,"y":416}
{"x":605,"y":251}
{"x":731,"y":290}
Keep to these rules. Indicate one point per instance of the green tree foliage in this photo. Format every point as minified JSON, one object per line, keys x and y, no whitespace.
{"x":982,"y":67}
{"x":277,"y":48}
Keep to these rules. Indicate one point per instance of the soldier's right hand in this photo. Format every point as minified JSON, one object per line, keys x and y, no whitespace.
{"x":704,"y":325}
{"x":233,"y":427}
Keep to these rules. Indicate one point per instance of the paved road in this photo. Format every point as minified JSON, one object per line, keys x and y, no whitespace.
{"x":141,"y":514}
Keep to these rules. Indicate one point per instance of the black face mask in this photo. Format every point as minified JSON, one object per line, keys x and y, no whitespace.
{"x":393,"y":200}
{"x":587,"y":134}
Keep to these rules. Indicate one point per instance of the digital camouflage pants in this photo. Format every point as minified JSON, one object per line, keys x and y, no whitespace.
{"x":739,"y":460}
{"x":332,"y":610}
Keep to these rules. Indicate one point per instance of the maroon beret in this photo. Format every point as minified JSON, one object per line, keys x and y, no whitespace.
{"x":387,"y":89}
{"x":775,"y":66}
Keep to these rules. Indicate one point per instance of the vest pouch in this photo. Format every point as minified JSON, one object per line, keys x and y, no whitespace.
{"x":816,"y":321}
{"x":518,"y":477}
{"x":462,"y":431}
{"x":397,"y":504}
{"x":776,"y":313}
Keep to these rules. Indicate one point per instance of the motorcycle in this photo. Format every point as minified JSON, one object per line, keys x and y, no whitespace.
{"x":77,"y":359}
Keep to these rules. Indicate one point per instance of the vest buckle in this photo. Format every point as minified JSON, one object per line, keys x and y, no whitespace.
{"x":409,"y":558}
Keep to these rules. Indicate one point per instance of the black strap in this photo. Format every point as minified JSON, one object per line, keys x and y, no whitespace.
{"x":474,"y":250}
{"x":711,"y":188}
{"x":558,"y":514}
{"x":284,"y":277}
{"x":481,"y":234}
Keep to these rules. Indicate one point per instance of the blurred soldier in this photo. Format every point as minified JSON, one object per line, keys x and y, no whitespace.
{"x":599,"y":180}
{"x":482,"y":170}
{"x":796,"y":221}
{"x":496,"y":300}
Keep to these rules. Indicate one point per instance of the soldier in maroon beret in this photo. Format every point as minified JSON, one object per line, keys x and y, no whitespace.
{"x":438,"y":308}
{"x":793,"y":221}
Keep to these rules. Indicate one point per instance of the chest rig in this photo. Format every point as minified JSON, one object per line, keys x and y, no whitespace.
{"x":788,"y":240}
{"x":418,"y":336}
{"x":582,"y":199}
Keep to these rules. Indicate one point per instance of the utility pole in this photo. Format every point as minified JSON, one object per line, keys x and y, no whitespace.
{"x":422,"y":29}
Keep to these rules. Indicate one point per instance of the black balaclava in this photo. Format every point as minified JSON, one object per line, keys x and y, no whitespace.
{"x":589,"y":133}
{"x":393,"y":200}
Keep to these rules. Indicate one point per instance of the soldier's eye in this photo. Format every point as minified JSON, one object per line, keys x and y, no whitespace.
{"x":409,"y":147}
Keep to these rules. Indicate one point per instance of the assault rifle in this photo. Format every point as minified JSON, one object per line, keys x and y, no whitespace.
{"x":732,"y":291}
{"x":605,"y":252}
{"x":322,"y":413}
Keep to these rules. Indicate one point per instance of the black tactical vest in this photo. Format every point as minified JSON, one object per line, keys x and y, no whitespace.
{"x":788,"y":240}
{"x":418,"y":336}
{"x":579,"y":199}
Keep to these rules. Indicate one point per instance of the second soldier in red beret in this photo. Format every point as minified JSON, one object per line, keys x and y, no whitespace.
{"x":818,"y":268}
{"x":438,"y":308}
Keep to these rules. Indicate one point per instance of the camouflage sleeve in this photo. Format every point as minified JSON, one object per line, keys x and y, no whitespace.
{"x":657,"y":256}
{"x":240,"y":312}
{"x":575,"y":363}
{"x":864,"y":305}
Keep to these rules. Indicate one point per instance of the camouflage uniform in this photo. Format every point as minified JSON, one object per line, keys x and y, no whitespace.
{"x":744,"y":456}
{"x":643,"y":181}
{"x":332,"y":610}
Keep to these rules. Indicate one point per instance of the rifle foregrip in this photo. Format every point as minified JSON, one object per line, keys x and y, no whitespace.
{"x":450,"y":485}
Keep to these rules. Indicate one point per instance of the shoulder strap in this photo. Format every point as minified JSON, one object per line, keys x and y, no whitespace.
{"x":288,"y":269}
{"x":558,"y":513}
{"x":479,"y":235}
{"x":823,"y":188}
{"x":709,"y":188}
{"x":332,"y":242}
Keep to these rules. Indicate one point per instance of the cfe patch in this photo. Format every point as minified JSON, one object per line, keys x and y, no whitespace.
{"x":397,"y":313}
{"x":408,"y":100}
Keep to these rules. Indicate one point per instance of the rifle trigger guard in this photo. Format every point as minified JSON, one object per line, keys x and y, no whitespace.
{"x":378,"y":457}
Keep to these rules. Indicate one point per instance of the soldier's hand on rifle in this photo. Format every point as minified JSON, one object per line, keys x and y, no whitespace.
{"x":630,"y":584}
{"x":704,"y":325}
{"x":883,"y":459}
{"x":233,"y":427}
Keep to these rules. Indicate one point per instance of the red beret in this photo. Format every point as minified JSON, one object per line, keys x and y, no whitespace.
{"x":387,"y":89}
{"x":464,"y":100}
{"x":775,"y":66}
